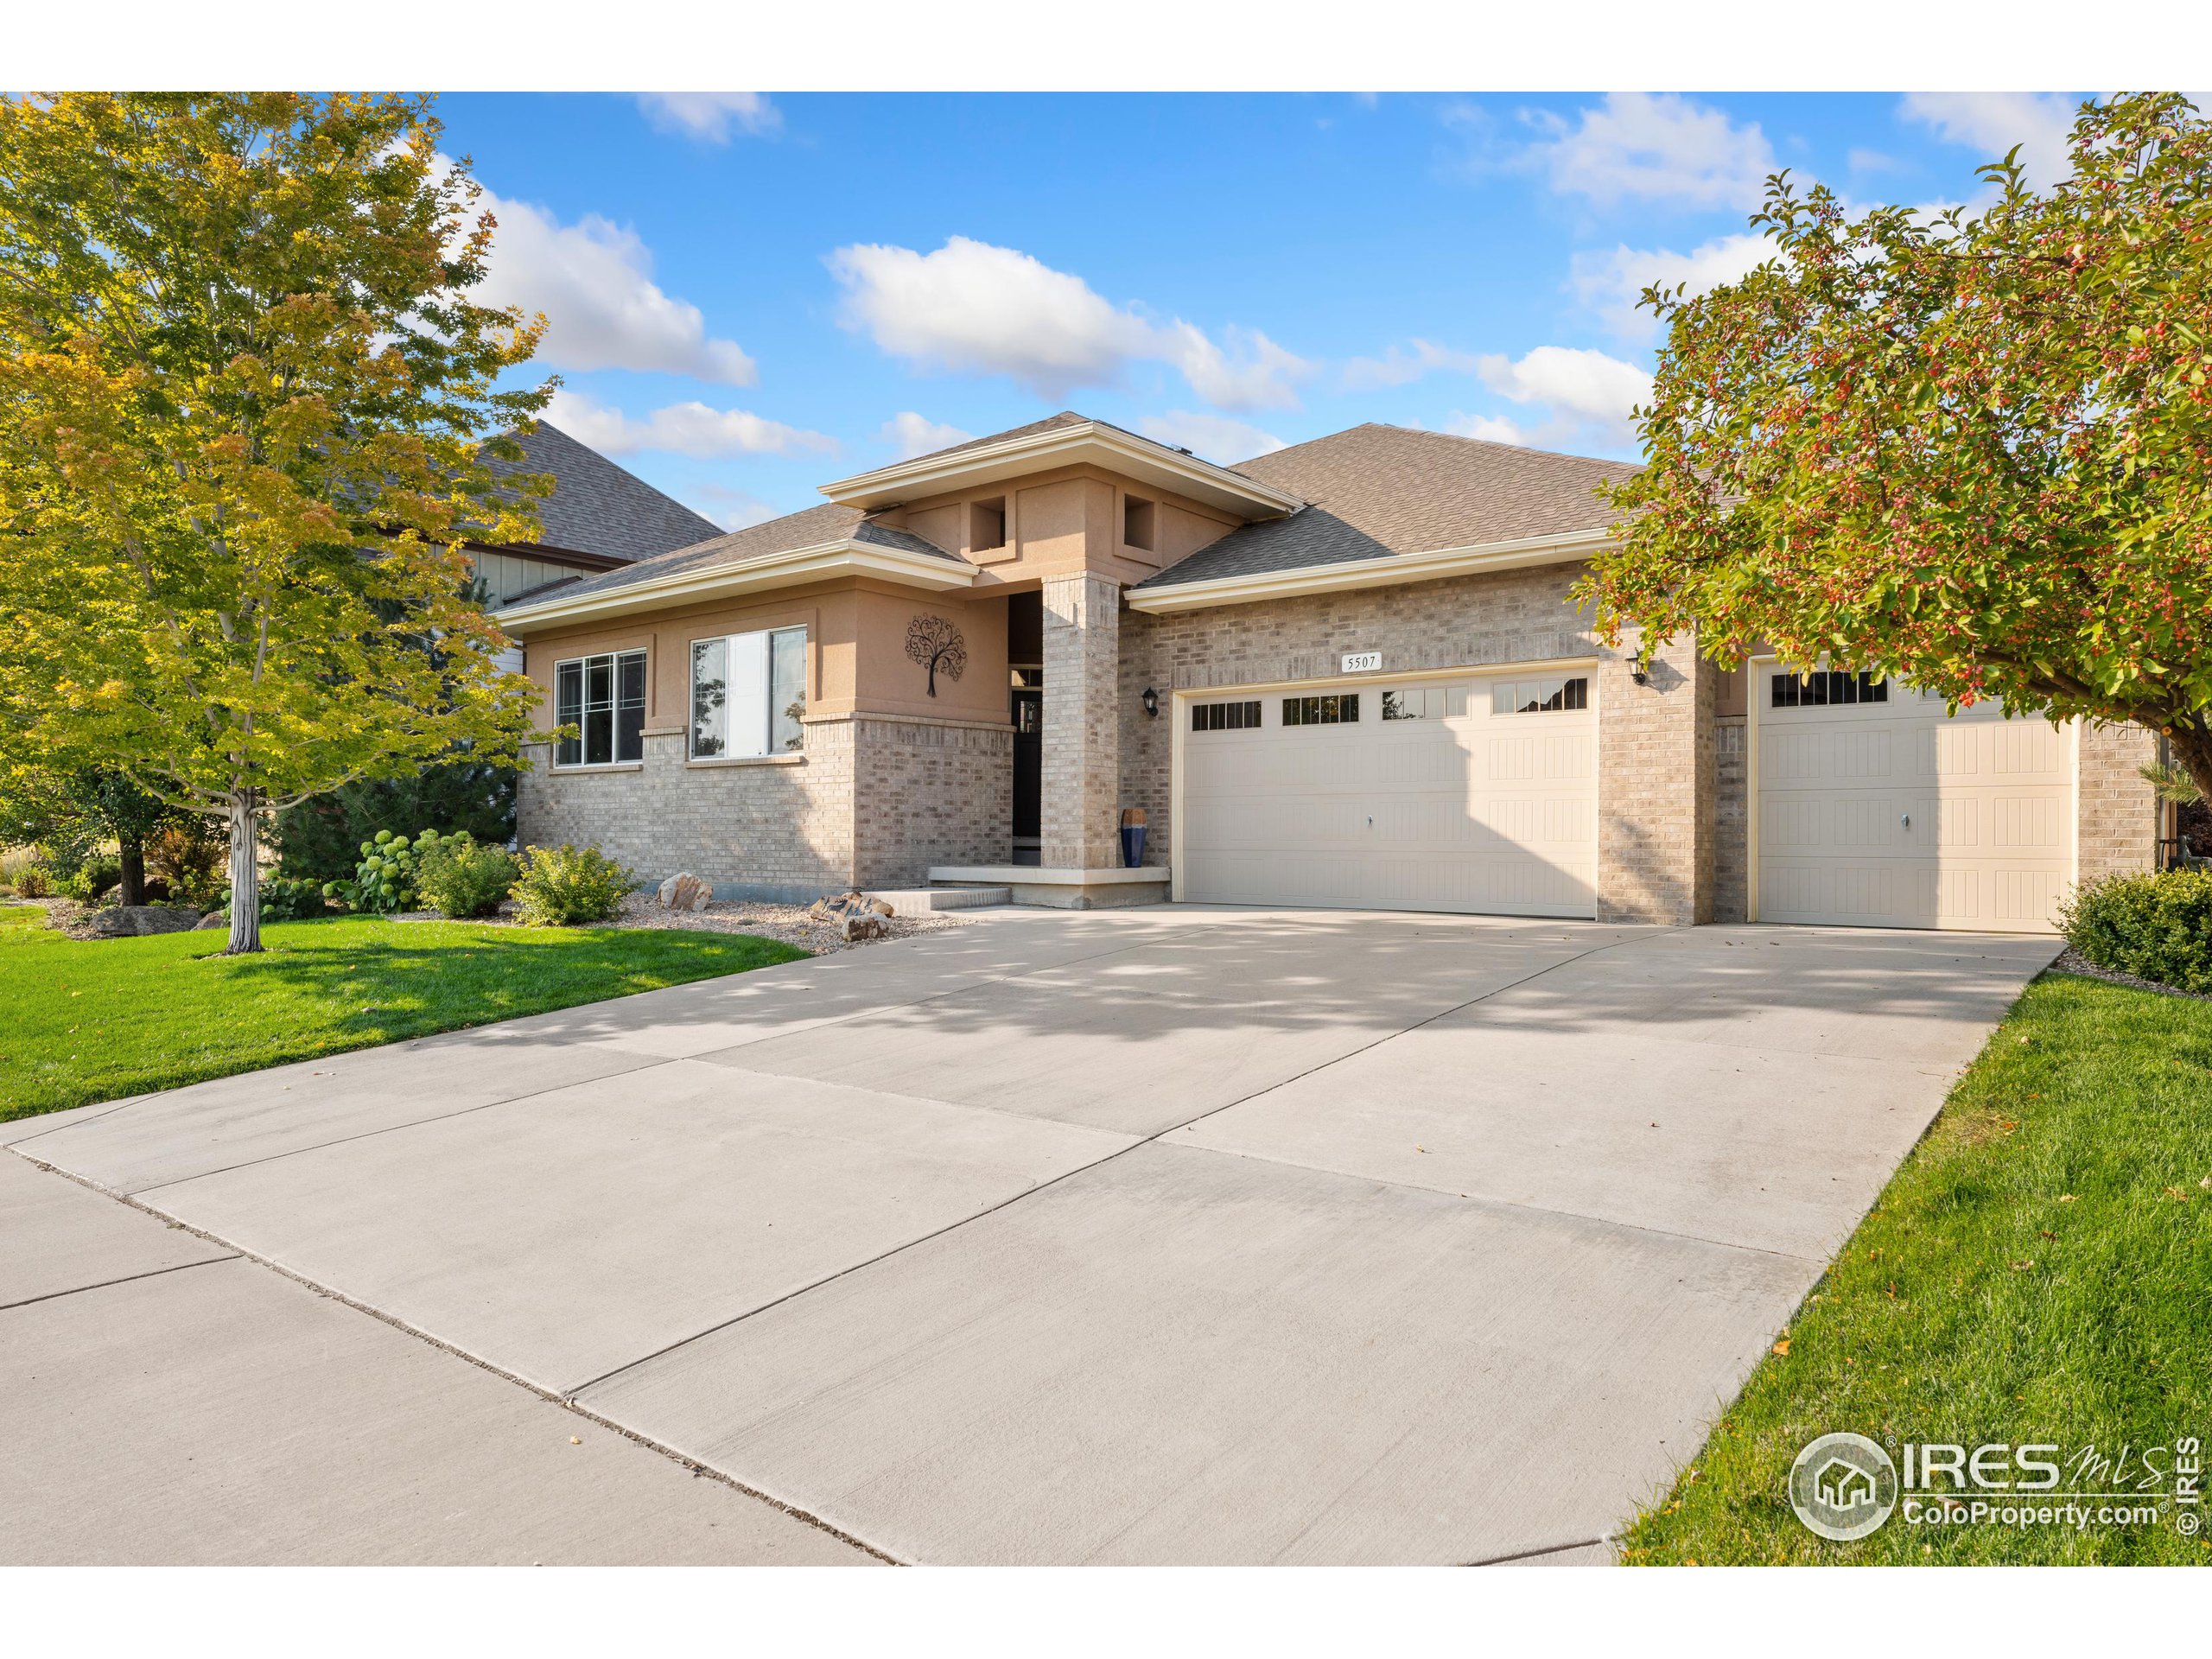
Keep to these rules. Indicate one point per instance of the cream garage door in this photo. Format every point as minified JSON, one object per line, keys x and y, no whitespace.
{"x":1877,"y":809}
{"x":1464,"y":793}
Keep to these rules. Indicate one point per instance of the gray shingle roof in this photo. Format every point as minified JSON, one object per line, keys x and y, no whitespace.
{"x":1379,"y":490}
{"x":599,"y":508}
{"x":811,"y":528}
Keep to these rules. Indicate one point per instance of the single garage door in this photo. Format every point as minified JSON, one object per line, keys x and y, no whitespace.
{"x":1876,"y":809}
{"x":1468,"y":791}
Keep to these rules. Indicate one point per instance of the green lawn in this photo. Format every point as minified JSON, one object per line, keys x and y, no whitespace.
{"x":84,"y":1021}
{"x":2040,"y":1270}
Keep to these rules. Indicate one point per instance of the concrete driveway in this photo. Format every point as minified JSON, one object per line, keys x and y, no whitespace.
{"x":1173,"y":1235}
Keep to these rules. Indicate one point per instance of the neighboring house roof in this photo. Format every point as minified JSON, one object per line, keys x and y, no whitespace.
{"x":1378,"y":491}
{"x":597,"y":508}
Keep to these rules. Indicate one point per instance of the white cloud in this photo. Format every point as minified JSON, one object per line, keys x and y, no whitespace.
{"x":736,"y":509}
{"x":1214,"y":436}
{"x":708,"y":117}
{"x":1400,"y":366}
{"x":917,"y":435}
{"x":976,"y":307}
{"x":1580,"y":388}
{"x":1492,"y":428}
{"x":688,"y":429}
{"x":1657,"y":146}
{"x":593,"y":282}
{"x":1992,"y":123}
{"x":1611,"y":283}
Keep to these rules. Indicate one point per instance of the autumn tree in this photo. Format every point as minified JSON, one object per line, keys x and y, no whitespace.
{"x":244,"y":401}
{"x":1974,"y":450}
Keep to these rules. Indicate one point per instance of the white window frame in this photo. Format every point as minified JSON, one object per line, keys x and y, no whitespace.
{"x":748,"y":717}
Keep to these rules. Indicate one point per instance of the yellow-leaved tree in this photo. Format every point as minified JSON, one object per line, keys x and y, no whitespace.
{"x":244,"y":401}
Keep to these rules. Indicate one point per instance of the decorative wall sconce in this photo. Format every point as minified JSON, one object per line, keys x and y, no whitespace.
{"x":1639,"y":671}
{"x":1151,"y":701}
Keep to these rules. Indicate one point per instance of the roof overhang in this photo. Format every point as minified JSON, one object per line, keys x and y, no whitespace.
{"x":1065,"y":446}
{"x":844,"y":557}
{"x":1388,"y":572}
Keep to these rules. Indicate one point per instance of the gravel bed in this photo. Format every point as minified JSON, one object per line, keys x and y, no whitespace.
{"x":787,"y":924}
{"x":2071,"y":961}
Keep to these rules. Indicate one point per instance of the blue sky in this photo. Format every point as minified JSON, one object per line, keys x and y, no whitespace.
{"x":751,"y":294}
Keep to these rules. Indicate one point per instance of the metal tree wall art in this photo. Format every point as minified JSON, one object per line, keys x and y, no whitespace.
{"x":936,"y":643}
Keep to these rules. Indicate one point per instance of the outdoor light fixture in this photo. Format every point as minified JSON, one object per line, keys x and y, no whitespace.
{"x":1638,"y":671}
{"x":1151,"y":701}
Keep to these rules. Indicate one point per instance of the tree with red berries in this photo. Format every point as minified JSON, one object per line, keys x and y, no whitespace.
{"x":1974,"y":450}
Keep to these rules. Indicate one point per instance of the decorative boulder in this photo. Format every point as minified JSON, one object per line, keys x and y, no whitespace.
{"x":864,"y":924}
{"x":685,"y":892}
{"x":134,"y":921}
{"x":214,"y":919}
{"x":850,"y":903}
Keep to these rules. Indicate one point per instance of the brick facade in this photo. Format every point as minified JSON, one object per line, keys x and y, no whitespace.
{"x":1656,"y":796}
{"x":1081,"y":823}
{"x":1731,"y":882}
{"x":2116,"y":810}
{"x":874,"y":801}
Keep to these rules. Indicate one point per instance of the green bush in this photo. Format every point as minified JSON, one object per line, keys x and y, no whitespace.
{"x":192,"y":861}
{"x":33,"y":881}
{"x":2157,"y":927}
{"x":384,"y":881}
{"x":317,"y":839}
{"x":90,"y":880}
{"x":283,"y":899}
{"x":459,"y":879}
{"x":567,"y":886}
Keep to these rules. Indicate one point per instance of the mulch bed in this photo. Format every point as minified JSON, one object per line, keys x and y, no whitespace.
{"x":2071,"y":961}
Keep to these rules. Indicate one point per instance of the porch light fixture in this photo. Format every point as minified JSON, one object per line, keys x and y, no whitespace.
{"x":1151,"y":701}
{"x":1639,"y":671}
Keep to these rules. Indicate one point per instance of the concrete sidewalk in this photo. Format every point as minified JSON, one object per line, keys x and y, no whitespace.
{"x":1172,"y":1235}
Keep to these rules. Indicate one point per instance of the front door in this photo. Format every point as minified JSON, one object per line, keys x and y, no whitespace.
{"x":1028,"y":713}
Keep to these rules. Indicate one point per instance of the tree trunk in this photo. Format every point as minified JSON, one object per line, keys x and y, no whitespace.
{"x":2192,"y":750}
{"x":245,"y":876}
{"x":132,"y":889}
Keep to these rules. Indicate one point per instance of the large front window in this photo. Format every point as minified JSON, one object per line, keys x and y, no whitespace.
{"x":604,"y":697}
{"x":749,"y":694}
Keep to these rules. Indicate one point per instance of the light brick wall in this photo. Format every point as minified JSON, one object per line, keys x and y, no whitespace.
{"x":1512,"y":617}
{"x":779,"y":830}
{"x":2116,"y":825}
{"x":1656,"y":788}
{"x":1081,"y":739}
{"x":1731,"y":887}
{"x":929,"y":793}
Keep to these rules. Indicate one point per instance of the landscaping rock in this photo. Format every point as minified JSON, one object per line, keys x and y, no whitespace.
{"x":864,"y":924}
{"x":685,"y":892}
{"x":214,"y":919}
{"x":135,"y":921}
{"x":851,"y":902}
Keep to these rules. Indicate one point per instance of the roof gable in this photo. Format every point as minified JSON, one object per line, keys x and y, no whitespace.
{"x":598,"y":508}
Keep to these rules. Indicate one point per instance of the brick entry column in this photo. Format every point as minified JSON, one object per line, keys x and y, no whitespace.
{"x":1081,"y":822}
{"x":1657,"y":793}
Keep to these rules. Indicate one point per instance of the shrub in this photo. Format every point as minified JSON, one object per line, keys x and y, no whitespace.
{"x":384,"y":881}
{"x":318,"y":840}
{"x":190,"y":859}
{"x":90,"y":880}
{"x":460,"y":879}
{"x":567,"y":886}
{"x":33,"y":881}
{"x":2157,"y":927}
{"x":283,"y":899}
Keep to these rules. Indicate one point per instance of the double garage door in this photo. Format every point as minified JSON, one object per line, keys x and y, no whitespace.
{"x":1478,"y":792}
{"x":1470,"y":792}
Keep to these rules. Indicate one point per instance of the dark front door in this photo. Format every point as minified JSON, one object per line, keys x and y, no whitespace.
{"x":1029,"y":771}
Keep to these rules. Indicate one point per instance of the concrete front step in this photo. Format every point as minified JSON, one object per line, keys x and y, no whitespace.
{"x":907,"y":902}
{"x":1060,"y":889}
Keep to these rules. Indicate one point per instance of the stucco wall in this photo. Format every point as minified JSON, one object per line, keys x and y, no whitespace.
{"x":1467,"y":621}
